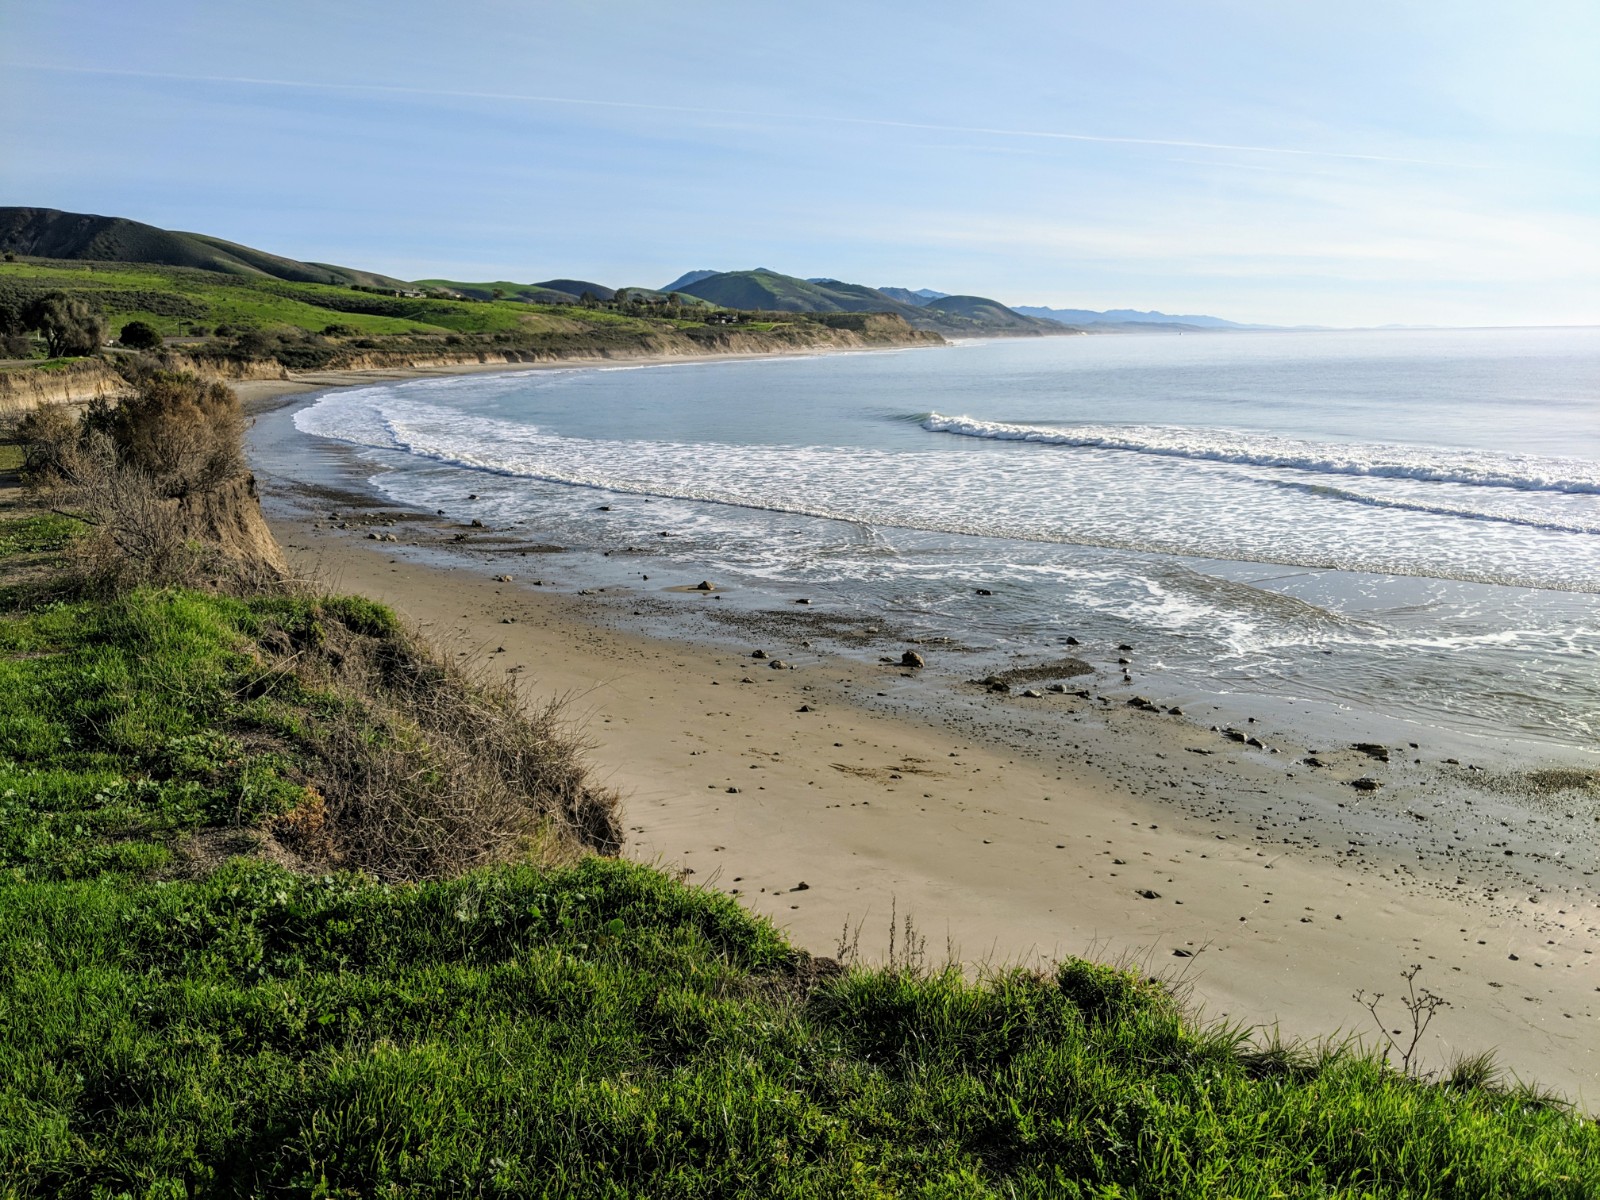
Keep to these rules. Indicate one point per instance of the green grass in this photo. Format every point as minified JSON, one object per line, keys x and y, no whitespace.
{"x":600,"y":1030}
{"x":37,"y":533}
{"x":172,"y":299}
{"x":605,"y":1031}
{"x":126,"y":724}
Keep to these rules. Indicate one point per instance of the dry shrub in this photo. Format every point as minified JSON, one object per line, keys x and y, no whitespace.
{"x":426,"y":772}
{"x":184,"y":432}
{"x":162,"y":483}
{"x":46,"y":434}
{"x":137,"y":535}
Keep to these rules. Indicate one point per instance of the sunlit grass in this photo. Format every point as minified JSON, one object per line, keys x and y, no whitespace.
{"x":594,"y":1030}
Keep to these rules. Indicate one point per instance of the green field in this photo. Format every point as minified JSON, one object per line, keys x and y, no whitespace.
{"x":176,"y":300}
{"x":178,"y":1025}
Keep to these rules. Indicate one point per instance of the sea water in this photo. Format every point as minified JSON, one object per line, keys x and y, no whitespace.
{"x":1400,"y":522}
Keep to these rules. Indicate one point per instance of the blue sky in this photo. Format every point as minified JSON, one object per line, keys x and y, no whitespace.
{"x":1265,"y":160}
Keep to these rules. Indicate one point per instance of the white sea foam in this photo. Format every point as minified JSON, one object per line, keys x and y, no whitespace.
{"x":1137,"y":457}
{"x":1523,"y":472}
{"x":1143,"y":503}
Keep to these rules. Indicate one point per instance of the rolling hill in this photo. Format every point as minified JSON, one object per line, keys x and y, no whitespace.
{"x":551,"y":291}
{"x":50,"y":233}
{"x":769,"y":291}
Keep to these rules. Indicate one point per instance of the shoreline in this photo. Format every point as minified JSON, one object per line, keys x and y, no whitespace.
{"x":1006,"y":851}
{"x":264,"y":395}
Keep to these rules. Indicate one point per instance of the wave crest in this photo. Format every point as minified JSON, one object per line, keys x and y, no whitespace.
{"x":1522,"y":472}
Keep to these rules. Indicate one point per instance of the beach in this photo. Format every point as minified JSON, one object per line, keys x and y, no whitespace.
{"x":1011,"y":829}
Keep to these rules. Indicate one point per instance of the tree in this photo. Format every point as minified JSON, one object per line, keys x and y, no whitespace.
{"x":69,"y":325}
{"x":137,"y":335}
{"x":14,"y":339}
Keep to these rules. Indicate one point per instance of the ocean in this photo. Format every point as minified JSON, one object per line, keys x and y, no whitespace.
{"x":1394,"y":525}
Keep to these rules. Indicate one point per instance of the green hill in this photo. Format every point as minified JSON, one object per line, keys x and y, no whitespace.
{"x":50,"y":233}
{"x":769,"y":291}
{"x":981,"y":314}
{"x":551,"y":291}
{"x":577,"y":287}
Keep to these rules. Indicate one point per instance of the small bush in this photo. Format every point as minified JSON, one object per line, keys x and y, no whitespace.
{"x":137,"y":335}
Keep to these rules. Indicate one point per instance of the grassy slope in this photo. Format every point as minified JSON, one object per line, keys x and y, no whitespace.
{"x":771,"y":292}
{"x":600,"y":1030}
{"x":172,"y":299}
{"x":49,"y":233}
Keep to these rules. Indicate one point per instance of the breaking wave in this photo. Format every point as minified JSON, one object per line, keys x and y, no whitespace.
{"x":1523,"y":472}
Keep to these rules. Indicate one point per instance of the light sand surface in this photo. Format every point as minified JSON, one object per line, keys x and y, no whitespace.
{"x":830,"y":819}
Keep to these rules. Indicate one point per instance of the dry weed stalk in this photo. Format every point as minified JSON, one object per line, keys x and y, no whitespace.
{"x":1420,"y":1004}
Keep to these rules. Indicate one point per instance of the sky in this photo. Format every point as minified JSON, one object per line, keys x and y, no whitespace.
{"x":1278,"y":161}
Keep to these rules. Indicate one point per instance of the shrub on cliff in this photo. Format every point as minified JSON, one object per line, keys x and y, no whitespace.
{"x":137,"y":335}
{"x":160,"y":480}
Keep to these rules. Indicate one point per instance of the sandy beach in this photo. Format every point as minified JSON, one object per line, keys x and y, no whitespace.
{"x":1012,"y":828}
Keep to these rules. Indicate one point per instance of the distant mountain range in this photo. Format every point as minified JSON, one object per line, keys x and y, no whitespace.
{"x":1132,"y":319}
{"x":1110,"y":320}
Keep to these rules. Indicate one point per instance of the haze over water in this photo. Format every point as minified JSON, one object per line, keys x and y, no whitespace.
{"x":1405,"y":523}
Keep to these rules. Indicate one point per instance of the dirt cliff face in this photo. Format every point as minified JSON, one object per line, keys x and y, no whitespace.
{"x":228,"y":517}
{"x":26,"y":389}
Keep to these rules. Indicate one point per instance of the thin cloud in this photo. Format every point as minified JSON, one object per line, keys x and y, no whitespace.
{"x":878,"y":122}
